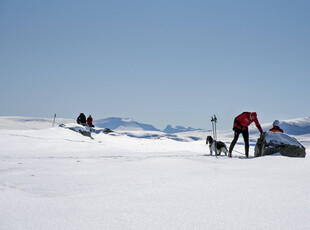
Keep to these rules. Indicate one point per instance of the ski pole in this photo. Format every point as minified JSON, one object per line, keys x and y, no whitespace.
{"x":54,"y":120}
{"x":215,"y":137}
{"x":213,"y":120}
{"x":239,"y":152}
{"x":212,"y":126}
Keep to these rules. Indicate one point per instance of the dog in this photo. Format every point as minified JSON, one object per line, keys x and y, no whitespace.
{"x":221,"y":146}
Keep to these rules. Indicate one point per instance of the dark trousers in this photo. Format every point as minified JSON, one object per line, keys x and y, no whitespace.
{"x":245,"y":134}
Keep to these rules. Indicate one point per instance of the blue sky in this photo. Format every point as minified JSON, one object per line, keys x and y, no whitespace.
{"x":158,"y":62}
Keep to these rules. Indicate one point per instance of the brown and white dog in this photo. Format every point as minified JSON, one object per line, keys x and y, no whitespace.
{"x":221,"y":146}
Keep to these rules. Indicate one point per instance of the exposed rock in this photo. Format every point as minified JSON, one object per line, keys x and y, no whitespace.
{"x":86,"y":134}
{"x":269,"y":143}
{"x":84,"y":130}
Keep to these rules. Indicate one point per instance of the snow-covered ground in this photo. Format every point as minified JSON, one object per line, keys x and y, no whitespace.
{"x":26,"y":123}
{"x":55,"y":178}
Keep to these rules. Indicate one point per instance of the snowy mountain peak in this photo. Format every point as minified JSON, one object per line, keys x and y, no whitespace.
{"x":298,"y":126}
{"x":127,"y":120}
{"x":178,"y":129}
{"x":117,"y":123}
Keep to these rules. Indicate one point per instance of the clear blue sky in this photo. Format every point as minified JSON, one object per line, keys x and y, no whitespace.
{"x":159,"y":62}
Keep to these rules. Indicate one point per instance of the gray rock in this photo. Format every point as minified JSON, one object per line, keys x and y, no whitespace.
{"x":77,"y":128}
{"x":85,"y":133}
{"x":269,"y":143}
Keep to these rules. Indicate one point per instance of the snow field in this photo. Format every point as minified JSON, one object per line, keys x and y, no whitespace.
{"x":58,"y":179}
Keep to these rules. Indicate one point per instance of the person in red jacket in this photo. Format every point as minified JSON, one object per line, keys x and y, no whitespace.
{"x":90,"y":121}
{"x":276,"y":127}
{"x":241,"y":124}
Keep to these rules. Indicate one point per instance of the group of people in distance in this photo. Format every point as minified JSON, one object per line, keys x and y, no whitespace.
{"x":83,"y":121}
{"x":241,"y":124}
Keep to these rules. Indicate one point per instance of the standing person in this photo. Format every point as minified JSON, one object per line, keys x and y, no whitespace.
{"x":81,"y":119}
{"x":241,"y":124}
{"x":276,"y":127}
{"x":90,"y":121}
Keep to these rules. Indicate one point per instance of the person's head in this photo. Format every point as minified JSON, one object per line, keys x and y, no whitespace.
{"x":276,"y":123}
{"x":253,"y":116}
{"x":89,"y":115}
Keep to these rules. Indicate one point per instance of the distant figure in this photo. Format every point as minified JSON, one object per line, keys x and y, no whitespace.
{"x":241,"y":124}
{"x":90,"y":121}
{"x":276,"y":127}
{"x":81,"y":119}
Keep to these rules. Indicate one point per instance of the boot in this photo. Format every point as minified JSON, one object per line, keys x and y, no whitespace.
{"x":229,"y":154}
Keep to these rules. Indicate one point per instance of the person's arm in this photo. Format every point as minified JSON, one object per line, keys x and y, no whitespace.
{"x":258,"y":126}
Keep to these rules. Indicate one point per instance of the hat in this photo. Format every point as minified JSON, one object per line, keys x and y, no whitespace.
{"x":276,"y":123}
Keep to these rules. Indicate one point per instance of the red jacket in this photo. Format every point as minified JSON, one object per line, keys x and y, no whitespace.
{"x":245,"y":119}
{"x":275,"y":129}
{"x":90,"y":121}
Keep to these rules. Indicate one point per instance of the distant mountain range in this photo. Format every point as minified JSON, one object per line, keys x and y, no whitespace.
{"x":298,"y":126}
{"x":125,"y":124}
{"x":178,"y":129}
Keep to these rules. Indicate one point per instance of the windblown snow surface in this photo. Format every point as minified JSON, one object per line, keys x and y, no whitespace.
{"x":55,"y":178}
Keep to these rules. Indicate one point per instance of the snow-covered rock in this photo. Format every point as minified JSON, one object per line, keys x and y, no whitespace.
{"x":84,"y":130}
{"x":269,"y":143}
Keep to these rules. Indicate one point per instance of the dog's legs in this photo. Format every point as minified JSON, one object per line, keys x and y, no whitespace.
{"x":224,"y":150}
{"x":210,"y":147}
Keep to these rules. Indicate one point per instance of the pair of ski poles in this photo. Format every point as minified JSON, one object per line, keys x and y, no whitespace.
{"x":214,"y":120}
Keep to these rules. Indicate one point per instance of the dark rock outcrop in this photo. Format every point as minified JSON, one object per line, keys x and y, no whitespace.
{"x":78,"y":128}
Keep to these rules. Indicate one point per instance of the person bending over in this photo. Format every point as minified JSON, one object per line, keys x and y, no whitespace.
{"x":241,"y":124}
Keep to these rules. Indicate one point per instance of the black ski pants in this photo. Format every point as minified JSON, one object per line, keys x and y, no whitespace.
{"x":245,"y":134}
